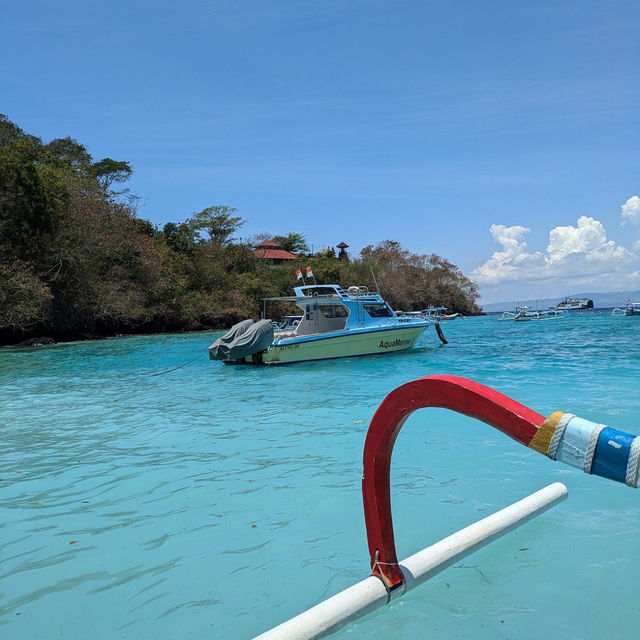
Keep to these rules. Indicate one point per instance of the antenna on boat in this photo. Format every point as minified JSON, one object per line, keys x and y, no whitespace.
{"x":373,"y":275}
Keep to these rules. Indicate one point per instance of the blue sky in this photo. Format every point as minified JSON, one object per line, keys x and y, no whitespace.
{"x":501,"y":135}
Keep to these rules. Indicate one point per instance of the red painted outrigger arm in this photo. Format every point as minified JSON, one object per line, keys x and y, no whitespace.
{"x":448,"y":392}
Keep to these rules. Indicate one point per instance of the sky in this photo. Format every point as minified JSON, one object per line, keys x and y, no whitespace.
{"x":503,"y":136}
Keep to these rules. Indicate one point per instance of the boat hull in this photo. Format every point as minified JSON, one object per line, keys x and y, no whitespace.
{"x":355,"y":342}
{"x":538,"y":316}
{"x":575,"y":304}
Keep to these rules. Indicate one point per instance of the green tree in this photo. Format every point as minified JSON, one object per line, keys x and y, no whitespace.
{"x":293,"y":242}
{"x":67,"y":150}
{"x":218,"y":221}
{"x":108,"y":171}
{"x":33,"y":196}
{"x":327,"y":252}
{"x":9,"y":131}
{"x":180,"y":237}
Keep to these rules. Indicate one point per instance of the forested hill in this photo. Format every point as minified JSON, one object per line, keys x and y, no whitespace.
{"x":77,"y":262}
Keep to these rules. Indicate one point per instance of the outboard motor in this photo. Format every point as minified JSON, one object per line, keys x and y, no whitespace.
{"x":243,"y":339}
{"x":219,"y":350}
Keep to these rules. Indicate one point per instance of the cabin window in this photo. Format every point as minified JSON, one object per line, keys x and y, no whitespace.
{"x":333,"y":310}
{"x":378,"y":310}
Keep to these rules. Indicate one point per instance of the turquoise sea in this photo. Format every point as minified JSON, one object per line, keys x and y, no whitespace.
{"x":216,"y":502}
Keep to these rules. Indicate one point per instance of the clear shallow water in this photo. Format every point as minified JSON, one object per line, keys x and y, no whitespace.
{"x":219,"y":501}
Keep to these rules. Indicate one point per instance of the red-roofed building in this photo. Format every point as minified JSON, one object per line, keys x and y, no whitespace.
{"x":269,"y":250}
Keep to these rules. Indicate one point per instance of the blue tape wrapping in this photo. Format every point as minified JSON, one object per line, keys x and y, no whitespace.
{"x":612,"y":454}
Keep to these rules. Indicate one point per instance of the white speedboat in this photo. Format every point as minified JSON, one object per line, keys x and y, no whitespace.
{"x":333,"y":323}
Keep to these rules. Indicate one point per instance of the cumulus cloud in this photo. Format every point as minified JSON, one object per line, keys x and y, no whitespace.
{"x":579,"y":257}
{"x":631,"y":210}
{"x":512,"y":261}
{"x":587,"y":241}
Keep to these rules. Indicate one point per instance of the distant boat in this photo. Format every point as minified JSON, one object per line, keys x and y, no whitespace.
{"x":333,"y":323}
{"x":632,"y":309}
{"x":524,"y":314}
{"x":574,"y":304}
{"x":435,"y":314}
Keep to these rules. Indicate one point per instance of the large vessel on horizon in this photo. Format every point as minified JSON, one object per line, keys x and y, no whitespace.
{"x":574,"y":304}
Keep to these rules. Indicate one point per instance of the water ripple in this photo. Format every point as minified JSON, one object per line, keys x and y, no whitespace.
{"x":228,"y":498}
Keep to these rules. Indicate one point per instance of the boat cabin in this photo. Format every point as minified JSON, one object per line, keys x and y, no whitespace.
{"x":328,"y":308}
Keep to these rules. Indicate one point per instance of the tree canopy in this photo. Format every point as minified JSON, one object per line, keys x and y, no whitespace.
{"x":76,"y":260}
{"x":219,"y":223}
{"x":293,"y":242}
{"x":108,"y":171}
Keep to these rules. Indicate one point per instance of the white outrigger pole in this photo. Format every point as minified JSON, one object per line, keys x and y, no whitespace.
{"x":594,"y":448}
{"x":370,"y":594}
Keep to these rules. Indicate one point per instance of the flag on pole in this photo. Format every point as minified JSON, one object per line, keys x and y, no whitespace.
{"x":298,"y":274}
{"x":309,"y":272}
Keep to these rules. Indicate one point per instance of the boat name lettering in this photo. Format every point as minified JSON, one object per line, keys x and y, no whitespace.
{"x":398,"y":342}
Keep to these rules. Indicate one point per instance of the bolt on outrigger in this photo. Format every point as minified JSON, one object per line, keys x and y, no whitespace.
{"x":594,"y":448}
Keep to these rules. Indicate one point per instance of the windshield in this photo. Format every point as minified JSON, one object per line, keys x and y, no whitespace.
{"x":378,"y":310}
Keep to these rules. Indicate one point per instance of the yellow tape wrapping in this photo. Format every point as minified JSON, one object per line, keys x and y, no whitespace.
{"x":541,"y":441}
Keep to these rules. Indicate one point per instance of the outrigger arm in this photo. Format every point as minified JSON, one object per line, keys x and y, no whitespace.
{"x":595,"y":448}
{"x":592,"y":447}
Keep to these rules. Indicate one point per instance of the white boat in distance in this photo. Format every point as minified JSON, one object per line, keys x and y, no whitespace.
{"x":333,"y":323}
{"x":632,"y":309}
{"x":435,"y":314}
{"x":523,"y":314}
{"x":574,"y":304}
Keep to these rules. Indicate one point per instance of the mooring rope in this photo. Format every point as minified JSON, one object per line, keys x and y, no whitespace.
{"x":591,"y":449}
{"x":633,"y":466}
{"x":161,"y":373}
{"x":558,"y":434}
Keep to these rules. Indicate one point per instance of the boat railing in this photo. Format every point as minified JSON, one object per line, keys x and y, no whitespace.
{"x":358,"y":290}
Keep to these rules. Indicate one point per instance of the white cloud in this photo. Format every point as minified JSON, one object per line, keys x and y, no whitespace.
{"x":509,"y":263}
{"x":587,"y":241}
{"x":631,"y":210}
{"x":577,"y":258}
